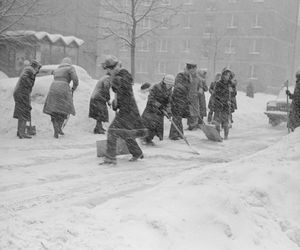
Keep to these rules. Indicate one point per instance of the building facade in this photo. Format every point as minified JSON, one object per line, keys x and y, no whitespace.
{"x":255,"y":38}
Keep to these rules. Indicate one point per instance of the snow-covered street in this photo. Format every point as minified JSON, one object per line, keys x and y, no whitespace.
{"x":242,"y":193}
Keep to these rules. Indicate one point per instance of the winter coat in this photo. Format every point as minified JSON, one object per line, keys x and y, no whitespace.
{"x":59,"y":99}
{"x":211,"y":101}
{"x":233,"y":94}
{"x":294,"y":115}
{"x":22,"y":94}
{"x":127,"y":117}
{"x":180,"y":97}
{"x":222,"y":98}
{"x":250,"y":90}
{"x":193,"y":96}
{"x":202,"y":100}
{"x":159,"y":99}
{"x":100,"y":96}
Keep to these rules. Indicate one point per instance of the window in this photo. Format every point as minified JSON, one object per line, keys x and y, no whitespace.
{"x":141,"y":67}
{"x":253,"y":72}
{"x":166,"y":2}
{"x":233,"y":22}
{"x":255,"y":24}
{"x":147,"y":3}
{"x":186,"y":46}
{"x":163,"y":45}
{"x":161,"y":68}
{"x":230,"y":49}
{"x":186,"y":22}
{"x":146,"y":23}
{"x":188,"y":2}
{"x":255,"y":47}
{"x":164,"y":23}
{"x":143,"y":46}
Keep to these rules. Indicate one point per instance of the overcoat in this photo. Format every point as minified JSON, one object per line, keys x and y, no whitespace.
{"x":59,"y":99}
{"x":22,"y":93}
{"x":98,"y":103}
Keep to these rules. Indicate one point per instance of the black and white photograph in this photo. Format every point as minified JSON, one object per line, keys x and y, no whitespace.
{"x":149,"y":125}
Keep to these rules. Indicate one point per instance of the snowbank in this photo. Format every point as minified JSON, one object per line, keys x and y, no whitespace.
{"x":3,"y":75}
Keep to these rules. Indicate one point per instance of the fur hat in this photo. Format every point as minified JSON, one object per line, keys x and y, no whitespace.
{"x":169,"y":79}
{"x":191,"y":65}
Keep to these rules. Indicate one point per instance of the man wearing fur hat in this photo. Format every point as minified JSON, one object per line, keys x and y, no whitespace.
{"x":222,"y":105}
{"x":22,"y":98}
{"x":158,"y":105}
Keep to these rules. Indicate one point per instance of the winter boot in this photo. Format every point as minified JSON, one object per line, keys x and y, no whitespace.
{"x":55,"y":128}
{"x":226,"y":132}
{"x":135,"y":158}
{"x":21,"y":130}
{"x":60,"y":123}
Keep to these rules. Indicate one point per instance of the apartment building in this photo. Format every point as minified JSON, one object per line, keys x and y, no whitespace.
{"x":255,"y":38}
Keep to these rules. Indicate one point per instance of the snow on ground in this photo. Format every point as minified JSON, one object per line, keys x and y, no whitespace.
{"x":3,"y":75}
{"x":239,"y":194}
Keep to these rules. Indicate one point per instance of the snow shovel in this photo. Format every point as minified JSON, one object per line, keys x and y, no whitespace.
{"x":210,"y":131}
{"x":179,"y":132}
{"x":30,"y":130}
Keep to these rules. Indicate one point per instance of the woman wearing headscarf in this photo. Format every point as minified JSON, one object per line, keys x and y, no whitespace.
{"x":59,"y":102}
{"x":158,"y":106}
{"x":22,"y":98}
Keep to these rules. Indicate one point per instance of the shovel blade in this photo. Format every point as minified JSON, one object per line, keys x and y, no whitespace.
{"x":211,"y":132}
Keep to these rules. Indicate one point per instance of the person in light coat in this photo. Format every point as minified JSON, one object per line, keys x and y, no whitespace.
{"x":59,"y":102}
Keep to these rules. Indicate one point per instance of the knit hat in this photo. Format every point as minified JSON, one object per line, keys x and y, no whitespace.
{"x":110,"y":62}
{"x":35,"y":64}
{"x":169,"y":79}
{"x":66,"y":60}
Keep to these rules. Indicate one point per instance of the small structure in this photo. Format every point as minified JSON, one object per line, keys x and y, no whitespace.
{"x":21,"y":45}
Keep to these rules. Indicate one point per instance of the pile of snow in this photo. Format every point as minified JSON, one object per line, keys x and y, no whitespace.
{"x":39,"y":93}
{"x":3,"y":75}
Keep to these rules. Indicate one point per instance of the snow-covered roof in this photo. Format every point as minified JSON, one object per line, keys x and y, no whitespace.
{"x":40,"y":35}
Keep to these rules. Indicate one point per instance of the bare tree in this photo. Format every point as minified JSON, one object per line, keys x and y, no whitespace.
{"x":13,"y":12}
{"x":131,"y":20}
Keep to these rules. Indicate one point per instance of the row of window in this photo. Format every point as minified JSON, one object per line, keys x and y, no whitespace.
{"x":164,"y":45}
{"x":161,"y":69}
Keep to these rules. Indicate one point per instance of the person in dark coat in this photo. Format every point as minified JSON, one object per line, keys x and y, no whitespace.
{"x":222,"y":105}
{"x":22,"y":99}
{"x":59,"y":102}
{"x":98,"y":103}
{"x":159,"y":101}
{"x":233,"y":93}
{"x":180,"y":102}
{"x":128,"y":123}
{"x":202,"y":100}
{"x":294,"y":114}
{"x":250,"y":90}
{"x":212,"y":97}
